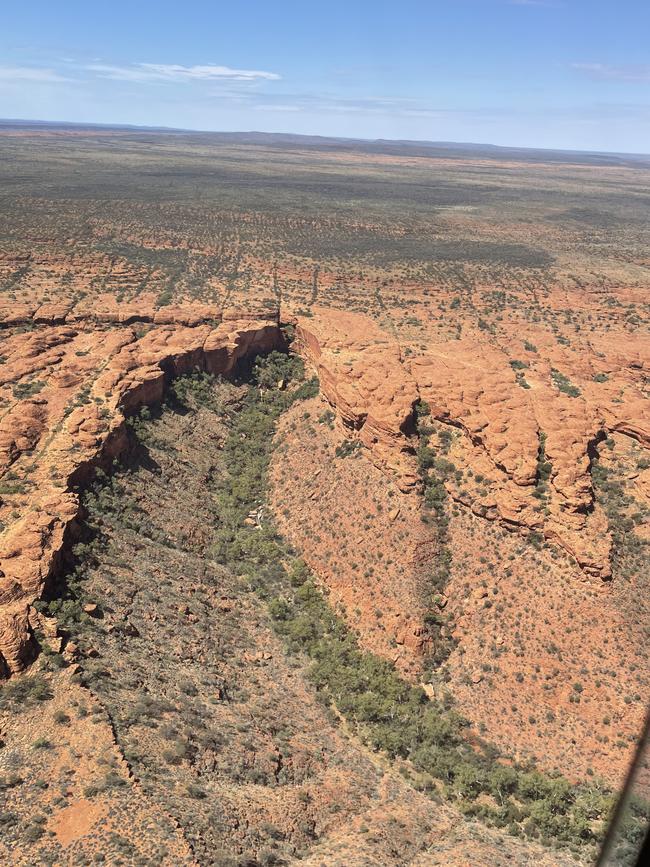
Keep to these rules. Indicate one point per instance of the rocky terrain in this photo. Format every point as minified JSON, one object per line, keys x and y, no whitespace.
{"x":168,"y":725}
{"x":471,"y":486}
{"x":74,"y":417}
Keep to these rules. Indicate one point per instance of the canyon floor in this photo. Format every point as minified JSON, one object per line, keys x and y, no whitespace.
{"x":187,"y":734}
{"x":469,"y":484}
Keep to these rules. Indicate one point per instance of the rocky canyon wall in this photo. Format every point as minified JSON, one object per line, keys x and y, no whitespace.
{"x":74,"y":376}
{"x":80,"y":385}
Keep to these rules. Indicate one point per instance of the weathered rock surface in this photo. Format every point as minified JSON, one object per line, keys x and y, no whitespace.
{"x":71,"y":386}
{"x":86,"y":382}
{"x":473,"y":387}
{"x":363,"y":378}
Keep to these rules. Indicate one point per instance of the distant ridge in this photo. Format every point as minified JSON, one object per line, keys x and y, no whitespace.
{"x":393,"y":147}
{"x":19,"y":123}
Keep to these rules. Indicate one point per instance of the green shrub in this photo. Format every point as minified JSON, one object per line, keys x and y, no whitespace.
{"x":563,"y":383}
{"x":347,"y":448}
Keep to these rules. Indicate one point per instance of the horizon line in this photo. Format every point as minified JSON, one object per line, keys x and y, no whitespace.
{"x":331,"y":138}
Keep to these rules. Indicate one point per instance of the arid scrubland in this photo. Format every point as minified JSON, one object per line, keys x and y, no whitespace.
{"x":452,"y":505}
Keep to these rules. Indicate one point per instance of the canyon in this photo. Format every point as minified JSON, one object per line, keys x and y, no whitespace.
{"x":95,"y":373}
{"x":469,"y":486}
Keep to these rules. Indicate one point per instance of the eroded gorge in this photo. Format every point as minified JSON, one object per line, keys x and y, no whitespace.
{"x":295,"y":543}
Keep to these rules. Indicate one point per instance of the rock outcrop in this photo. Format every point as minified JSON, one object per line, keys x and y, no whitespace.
{"x":503,"y":419}
{"x":363,"y":378}
{"x":71,"y":379}
{"x":89,"y":382}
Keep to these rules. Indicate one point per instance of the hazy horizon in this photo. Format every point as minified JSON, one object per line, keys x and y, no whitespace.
{"x":441,"y":143}
{"x":550,"y":74}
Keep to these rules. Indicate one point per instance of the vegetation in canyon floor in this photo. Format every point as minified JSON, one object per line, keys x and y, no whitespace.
{"x":429,"y":739}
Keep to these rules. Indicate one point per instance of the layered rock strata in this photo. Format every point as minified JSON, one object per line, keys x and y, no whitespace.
{"x":85,"y":383}
{"x":473,"y":387}
{"x":70,"y":378}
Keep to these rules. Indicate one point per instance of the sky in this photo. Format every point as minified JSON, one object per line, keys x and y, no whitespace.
{"x":570,"y":74}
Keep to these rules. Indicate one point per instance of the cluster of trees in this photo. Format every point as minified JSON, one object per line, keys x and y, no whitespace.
{"x":630,"y":551}
{"x":543,"y":470}
{"x":433,"y":469}
{"x":387,"y":712}
{"x":564,"y":384}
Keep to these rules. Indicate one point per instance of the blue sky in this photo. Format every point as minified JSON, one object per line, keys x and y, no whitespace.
{"x":538,"y":73}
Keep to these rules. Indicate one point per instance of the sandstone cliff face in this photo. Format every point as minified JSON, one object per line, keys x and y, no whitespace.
{"x":363,"y":378}
{"x":85,"y":383}
{"x":476,"y":387}
{"x":358,"y":532}
{"x":70,"y":381}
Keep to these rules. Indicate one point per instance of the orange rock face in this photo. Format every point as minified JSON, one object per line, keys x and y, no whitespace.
{"x":84,"y":383}
{"x":362,"y":376}
{"x":473,"y":387}
{"x":78,"y":408}
{"x":70,"y":380}
{"x":359,"y":532}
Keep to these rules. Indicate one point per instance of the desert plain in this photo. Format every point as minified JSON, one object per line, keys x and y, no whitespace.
{"x":417,"y":375}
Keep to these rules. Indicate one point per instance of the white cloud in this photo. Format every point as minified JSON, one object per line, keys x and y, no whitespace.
{"x":172,"y":72}
{"x":29,"y":73}
{"x":279,"y":107}
{"x":330,"y":104}
{"x":626,"y":72}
